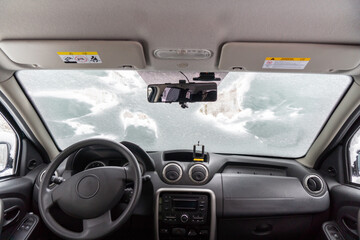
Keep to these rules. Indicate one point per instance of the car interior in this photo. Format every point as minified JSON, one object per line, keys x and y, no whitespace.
{"x":174,"y":120}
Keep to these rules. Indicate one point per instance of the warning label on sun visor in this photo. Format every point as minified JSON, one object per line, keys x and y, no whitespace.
{"x":80,"y":57}
{"x":285,"y":63}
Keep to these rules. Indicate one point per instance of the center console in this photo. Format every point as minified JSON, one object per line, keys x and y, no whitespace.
{"x":185,"y":214}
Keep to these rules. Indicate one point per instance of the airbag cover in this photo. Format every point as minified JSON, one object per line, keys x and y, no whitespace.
{"x":91,"y":193}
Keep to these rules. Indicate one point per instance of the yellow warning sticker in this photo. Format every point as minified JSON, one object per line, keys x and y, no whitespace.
{"x":79,"y":57}
{"x":285,"y":63}
{"x":287,"y":59}
{"x":198,"y":159}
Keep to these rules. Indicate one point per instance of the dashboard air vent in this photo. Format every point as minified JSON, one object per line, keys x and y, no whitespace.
{"x":314,"y":184}
{"x":198,"y":173}
{"x":172,"y":172}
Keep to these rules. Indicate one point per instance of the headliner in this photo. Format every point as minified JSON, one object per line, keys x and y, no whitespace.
{"x":183,"y":24}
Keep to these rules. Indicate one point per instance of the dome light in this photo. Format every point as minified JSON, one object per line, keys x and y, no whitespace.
{"x":183,"y":54}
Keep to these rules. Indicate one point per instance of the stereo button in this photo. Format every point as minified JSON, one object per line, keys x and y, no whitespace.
{"x":192,"y":233}
{"x":204,"y":232}
{"x":184,"y":218}
{"x":178,"y":231}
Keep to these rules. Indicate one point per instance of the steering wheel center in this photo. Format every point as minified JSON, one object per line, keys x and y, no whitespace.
{"x":88,"y":186}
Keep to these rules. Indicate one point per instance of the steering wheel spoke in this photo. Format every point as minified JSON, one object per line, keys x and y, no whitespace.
{"x":97,"y":225}
{"x":130,"y":173}
{"x":48,"y":199}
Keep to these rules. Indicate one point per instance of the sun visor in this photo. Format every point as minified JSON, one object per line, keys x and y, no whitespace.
{"x":289,"y":57}
{"x":53,"y":54}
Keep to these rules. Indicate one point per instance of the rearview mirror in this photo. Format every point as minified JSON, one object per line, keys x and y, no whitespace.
{"x":5,"y":159}
{"x":182,"y":92}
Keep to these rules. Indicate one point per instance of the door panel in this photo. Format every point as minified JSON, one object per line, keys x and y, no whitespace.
{"x":338,"y":165}
{"x":345,"y":206}
{"x":16,"y":194}
{"x":17,"y":177}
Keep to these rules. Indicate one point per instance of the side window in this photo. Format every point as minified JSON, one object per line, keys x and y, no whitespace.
{"x":8,"y":146}
{"x":354,"y":157}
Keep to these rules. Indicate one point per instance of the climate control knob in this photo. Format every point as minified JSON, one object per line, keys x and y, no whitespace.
{"x":184,"y":218}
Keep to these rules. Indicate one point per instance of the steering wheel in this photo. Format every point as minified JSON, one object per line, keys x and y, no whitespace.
{"x":91,"y":194}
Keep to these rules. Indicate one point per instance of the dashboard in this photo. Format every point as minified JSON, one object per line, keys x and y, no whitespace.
{"x":239,"y":191}
{"x":82,"y":164}
{"x":96,"y":156}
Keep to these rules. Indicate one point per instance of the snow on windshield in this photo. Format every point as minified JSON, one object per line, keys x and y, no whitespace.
{"x":255,"y":114}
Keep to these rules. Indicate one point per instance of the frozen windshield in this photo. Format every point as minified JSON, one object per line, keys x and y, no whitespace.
{"x":268,"y":114}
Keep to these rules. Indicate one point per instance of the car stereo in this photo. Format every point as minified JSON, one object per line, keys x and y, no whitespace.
{"x":183,"y":215}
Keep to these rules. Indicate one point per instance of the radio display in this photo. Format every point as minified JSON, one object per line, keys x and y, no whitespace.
{"x":184,"y":204}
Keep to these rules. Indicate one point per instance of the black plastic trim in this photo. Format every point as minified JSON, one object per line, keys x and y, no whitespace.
{"x":354,"y":119}
{"x":22,"y":126}
{"x":19,"y":136}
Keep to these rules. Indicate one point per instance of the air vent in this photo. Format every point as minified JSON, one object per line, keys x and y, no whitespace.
{"x":172,"y":172}
{"x":198,"y":173}
{"x":314,"y":184}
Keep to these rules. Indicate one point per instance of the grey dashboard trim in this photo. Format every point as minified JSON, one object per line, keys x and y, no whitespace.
{"x":249,"y":195}
{"x":198,"y":190}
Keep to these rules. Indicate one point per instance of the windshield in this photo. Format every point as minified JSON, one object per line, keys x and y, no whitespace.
{"x":268,"y":114}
